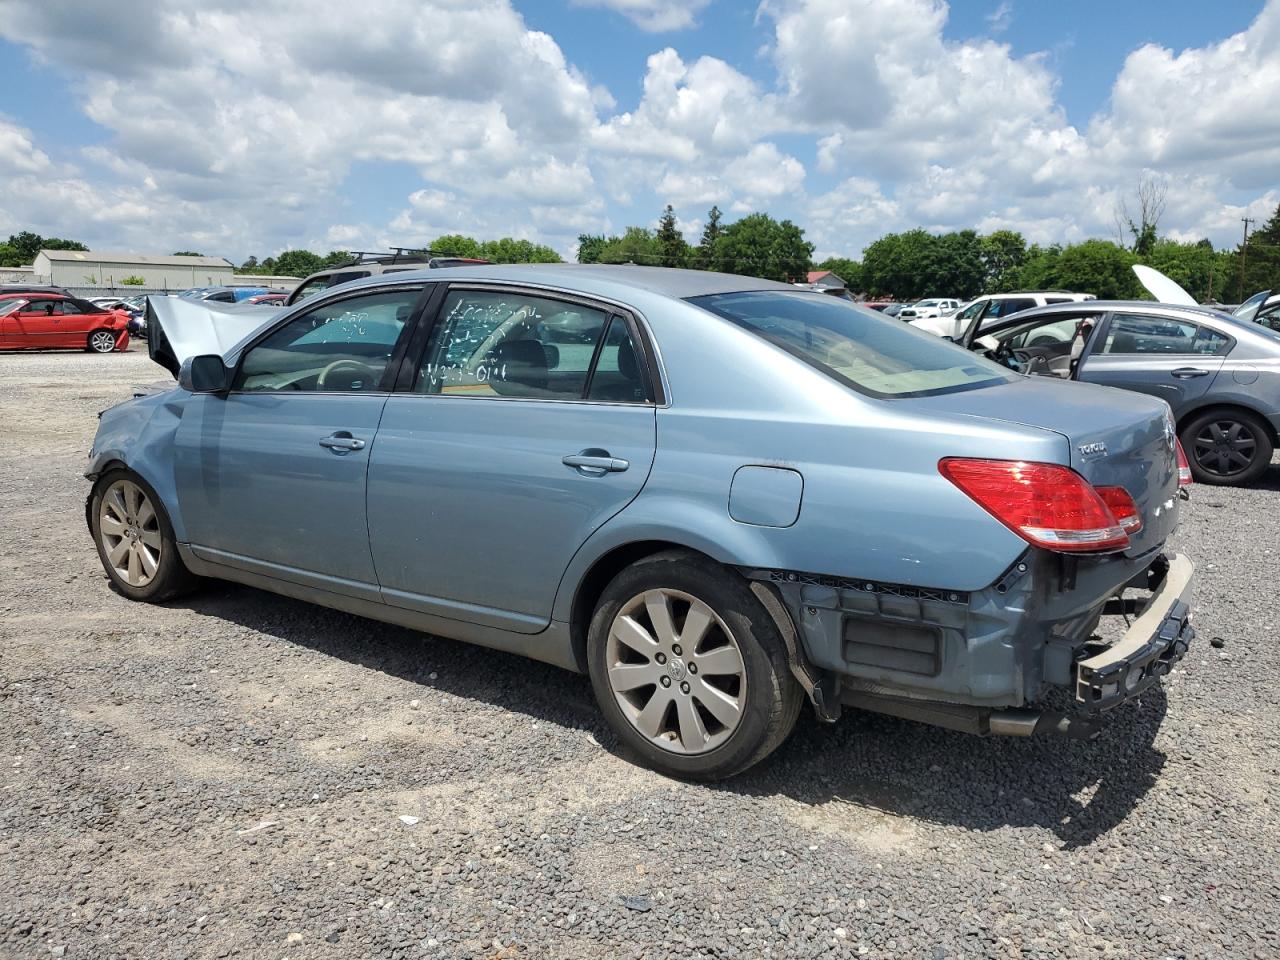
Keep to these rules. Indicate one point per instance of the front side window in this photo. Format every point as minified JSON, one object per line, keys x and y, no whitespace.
{"x":510,"y":344}
{"x":1137,"y":334}
{"x":854,"y":346}
{"x":8,"y":306}
{"x":41,"y":307}
{"x":339,"y":347}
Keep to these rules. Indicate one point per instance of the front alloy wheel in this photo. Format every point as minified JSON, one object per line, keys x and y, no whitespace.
{"x":676,"y":671}
{"x":102,"y":341}
{"x":129,"y":529}
{"x":135,"y":539}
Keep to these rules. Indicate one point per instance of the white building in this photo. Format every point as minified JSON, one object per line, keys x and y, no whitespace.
{"x":75,"y":268}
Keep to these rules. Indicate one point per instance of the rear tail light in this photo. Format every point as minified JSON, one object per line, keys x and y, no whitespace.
{"x":1048,"y":505}
{"x":1184,"y":468}
{"x":1122,"y":508}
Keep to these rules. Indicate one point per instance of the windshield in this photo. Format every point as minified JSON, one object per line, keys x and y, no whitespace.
{"x":856,"y":347}
{"x":9,"y":304}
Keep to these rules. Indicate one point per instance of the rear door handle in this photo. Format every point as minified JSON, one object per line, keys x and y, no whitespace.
{"x":595,"y":462}
{"x":1186,"y":373}
{"x":342,"y":442}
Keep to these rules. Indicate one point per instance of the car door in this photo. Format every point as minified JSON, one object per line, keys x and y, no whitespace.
{"x":1171,"y":358}
{"x":527,"y":423}
{"x":75,"y":323}
{"x":39,"y":324}
{"x":271,"y":475}
{"x":10,"y":330}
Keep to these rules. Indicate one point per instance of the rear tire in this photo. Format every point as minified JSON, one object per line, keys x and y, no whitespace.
{"x":101,"y":341}
{"x":135,"y":539}
{"x":1227,"y":447}
{"x":689,"y":668}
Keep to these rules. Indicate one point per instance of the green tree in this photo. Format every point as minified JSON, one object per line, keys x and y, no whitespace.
{"x":956,"y":267}
{"x":1202,"y":271}
{"x":1003,"y":252}
{"x":186,"y":253}
{"x":636,"y":245}
{"x":850,"y":271}
{"x":335,"y":257}
{"x":672,"y":249}
{"x":510,"y":250}
{"x":590,"y":246}
{"x":27,"y":244}
{"x":759,"y":246}
{"x":297,"y":263}
{"x":1100,"y":267}
{"x":456,"y":245}
{"x":249,"y":266}
{"x":1258,"y":267}
{"x":136,"y":281}
{"x":704,"y":258}
{"x":899,"y":264}
{"x":10,"y":257}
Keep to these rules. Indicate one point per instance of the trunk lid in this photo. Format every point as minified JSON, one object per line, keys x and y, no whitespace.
{"x":178,"y":329}
{"x":1113,"y":438}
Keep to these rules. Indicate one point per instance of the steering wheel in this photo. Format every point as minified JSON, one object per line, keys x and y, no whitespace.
{"x":352,"y":366}
{"x":1031,"y":364}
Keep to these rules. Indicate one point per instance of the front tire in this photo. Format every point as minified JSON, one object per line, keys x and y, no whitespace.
{"x":135,"y":540}
{"x":1227,"y":447}
{"x":101,"y":341}
{"x":689,"y":668}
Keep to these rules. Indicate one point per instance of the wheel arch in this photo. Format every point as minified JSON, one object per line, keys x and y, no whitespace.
{"x":646,"y":528}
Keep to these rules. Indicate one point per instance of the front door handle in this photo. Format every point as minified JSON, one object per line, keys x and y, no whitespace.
{"x":595,"y":463}
{"x":342,"y":442}
{"x":1186,"y":373}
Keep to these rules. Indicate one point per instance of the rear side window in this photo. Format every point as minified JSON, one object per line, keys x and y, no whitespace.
{"x":1137,"y":334}
{"x":510,"y":344}
{"x":1006,"y":308}
{"x":856,"y":347}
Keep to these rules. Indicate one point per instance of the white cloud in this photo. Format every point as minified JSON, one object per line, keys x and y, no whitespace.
{"x":236,"y":129}
{"x":999,"y":19}
{"x":654,"y":16}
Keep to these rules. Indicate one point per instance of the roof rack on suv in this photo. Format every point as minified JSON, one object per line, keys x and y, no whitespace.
{"x":394,"y":255}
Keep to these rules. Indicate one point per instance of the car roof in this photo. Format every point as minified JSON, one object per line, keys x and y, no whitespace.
{"x":1146,"y":306}
{"x":601,"y":279}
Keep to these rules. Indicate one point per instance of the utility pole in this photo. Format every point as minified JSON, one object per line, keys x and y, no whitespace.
{"x":1244,"y":255}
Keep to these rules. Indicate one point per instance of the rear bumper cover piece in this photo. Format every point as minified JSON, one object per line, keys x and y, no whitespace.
{"x":1157,"y":640}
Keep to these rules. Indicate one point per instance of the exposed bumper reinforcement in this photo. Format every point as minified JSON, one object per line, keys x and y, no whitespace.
{"x":1157,"y":640}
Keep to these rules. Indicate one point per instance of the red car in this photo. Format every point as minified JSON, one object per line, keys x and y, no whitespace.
{"x":269,"y":299}
{"x":41,"y":321}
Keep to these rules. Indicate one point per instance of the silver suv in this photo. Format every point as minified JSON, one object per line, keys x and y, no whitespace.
{"x":364,"y":264}
{"x":991,"y":307}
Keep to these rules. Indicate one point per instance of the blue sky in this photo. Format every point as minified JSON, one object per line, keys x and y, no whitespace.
{"x":241,"y":129}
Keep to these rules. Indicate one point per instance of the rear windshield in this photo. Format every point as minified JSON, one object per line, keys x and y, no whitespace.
{"x":859,"y":348}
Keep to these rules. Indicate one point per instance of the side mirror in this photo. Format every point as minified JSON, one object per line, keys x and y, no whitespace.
{"x":204,"y":374}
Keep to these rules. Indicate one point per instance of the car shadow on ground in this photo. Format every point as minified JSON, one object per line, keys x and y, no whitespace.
{"x":1078,"y":789}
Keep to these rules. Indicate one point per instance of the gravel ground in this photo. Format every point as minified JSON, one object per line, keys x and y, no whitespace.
{"x":238,"y":774}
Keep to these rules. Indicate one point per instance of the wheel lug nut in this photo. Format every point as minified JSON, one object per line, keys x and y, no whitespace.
{"x":676,"y":649}
{"x":693,"y":668}
{"x":684,"y":687}
{"x":665,"y":681}
{"x":661,"y":658}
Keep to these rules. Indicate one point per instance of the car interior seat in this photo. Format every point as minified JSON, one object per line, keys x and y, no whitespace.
{"x":518,"y":365}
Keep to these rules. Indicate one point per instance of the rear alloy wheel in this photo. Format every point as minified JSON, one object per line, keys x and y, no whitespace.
{"x":1227,"y":447}
{"x":135,"y":539}
{"x":689,"y":668}
{"x":102,"y":341}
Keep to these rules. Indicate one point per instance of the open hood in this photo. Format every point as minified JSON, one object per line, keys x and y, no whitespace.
{"x":1161,"y":287}
{"x":1249,"y":309}
{"x":178,"y":329}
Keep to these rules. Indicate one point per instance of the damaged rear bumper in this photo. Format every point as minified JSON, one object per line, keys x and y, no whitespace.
{"x":1157,"y":640}
{"x":983,"y":662}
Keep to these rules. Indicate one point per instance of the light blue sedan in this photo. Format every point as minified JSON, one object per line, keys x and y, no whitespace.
{"x":719,"y":497}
